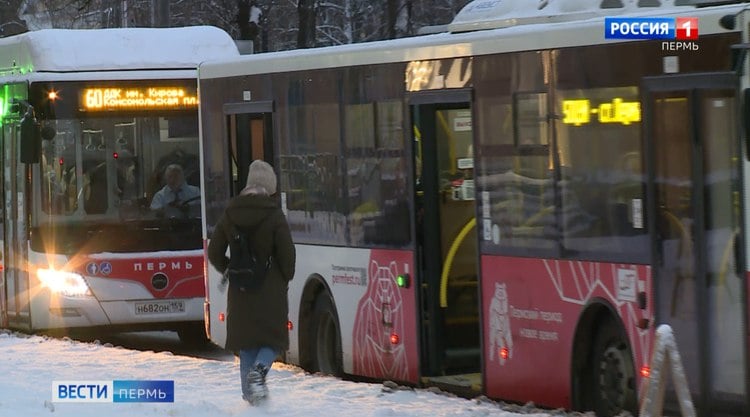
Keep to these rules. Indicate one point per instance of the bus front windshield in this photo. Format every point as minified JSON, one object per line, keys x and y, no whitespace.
{"x":118,"y":184}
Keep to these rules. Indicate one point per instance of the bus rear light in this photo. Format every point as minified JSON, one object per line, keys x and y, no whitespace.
{"x":289,"y":325}
{"x":221,"y":316}
{"x":395,"y":339}
{"x":504,"y":353}
{"x":645,"y":371}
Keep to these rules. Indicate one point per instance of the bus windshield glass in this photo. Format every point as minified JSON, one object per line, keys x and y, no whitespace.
{"x":119,"y":184}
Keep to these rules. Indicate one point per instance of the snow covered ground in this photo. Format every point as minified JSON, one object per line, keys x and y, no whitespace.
{"x":202,"y":388}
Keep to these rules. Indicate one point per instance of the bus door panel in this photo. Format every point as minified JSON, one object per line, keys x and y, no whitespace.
{"x":15,"y":245}
{"x":695,"y":166}
{"x":447,"y":251}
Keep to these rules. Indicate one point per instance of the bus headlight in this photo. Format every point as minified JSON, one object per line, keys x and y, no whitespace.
{"x":66,"y":283}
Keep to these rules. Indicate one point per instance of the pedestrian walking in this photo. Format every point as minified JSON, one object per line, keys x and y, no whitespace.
{"x":257,"y":314}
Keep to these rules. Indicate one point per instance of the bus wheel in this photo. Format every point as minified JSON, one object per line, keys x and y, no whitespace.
{"x":193,"y":335}
{"x":326,"y":343}
{"x":614,"y":388}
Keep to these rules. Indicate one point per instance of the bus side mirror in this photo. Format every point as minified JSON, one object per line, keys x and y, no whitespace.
{"x":31,"y":138}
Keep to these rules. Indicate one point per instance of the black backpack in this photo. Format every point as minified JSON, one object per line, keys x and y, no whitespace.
{"x":246,"y":269}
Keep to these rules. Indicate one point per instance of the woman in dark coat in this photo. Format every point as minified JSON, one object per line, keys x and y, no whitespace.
{"x":257,"y":317}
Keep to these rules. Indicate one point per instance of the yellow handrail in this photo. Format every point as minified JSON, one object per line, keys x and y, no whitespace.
{"x":449,"y":260}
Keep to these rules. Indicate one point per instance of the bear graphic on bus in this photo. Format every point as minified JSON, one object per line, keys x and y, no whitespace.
{"x":499,"y":332}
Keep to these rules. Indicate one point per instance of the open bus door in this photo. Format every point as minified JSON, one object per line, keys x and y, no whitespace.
{"x":249,"y":131}
{"x":447,"y":255}
{"x":695,"y":165}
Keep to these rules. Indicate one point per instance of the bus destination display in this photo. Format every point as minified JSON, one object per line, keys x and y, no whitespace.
{"x":116,"y":98}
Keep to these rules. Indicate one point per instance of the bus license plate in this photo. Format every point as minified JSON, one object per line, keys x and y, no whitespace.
{"x":160,"y":307}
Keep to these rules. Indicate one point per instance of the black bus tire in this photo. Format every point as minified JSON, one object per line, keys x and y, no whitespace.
{"x":614,"y":383}
{"x":326,"y":337}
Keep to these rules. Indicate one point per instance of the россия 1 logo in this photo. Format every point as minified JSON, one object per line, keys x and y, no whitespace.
{"x":665,"y":28}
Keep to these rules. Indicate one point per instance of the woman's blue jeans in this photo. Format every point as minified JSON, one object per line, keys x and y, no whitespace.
{"x":250,"y":359}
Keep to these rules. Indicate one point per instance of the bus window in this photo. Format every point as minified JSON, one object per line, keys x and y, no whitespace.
{"x":313,"y":171}
{"x":516,"y":176}
{"x":114,"y":166}
{"x":516,"y":188}
{"x":95,"y":195}
{"x":58,"y":173}
{"x":521,"y":195}
{"x":602,"y":183}
{"x":376,"y":175}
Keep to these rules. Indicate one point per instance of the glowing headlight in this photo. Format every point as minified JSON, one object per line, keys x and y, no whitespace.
{"x":66,"y":283}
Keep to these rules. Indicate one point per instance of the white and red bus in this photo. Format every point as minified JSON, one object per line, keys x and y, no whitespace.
{"x":90,"y":121}
{"x":508,"y":207}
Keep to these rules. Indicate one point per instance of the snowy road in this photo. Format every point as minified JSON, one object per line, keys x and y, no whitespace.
{"x":30,"y":364}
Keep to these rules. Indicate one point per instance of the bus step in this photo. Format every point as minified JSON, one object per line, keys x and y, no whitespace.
{"x":466,"y":385}
{"x":461,"y":360}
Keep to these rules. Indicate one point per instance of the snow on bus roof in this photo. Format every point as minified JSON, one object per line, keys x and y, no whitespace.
{"x":531,"y":36}
{"x":495,"y":14}
{"x":62,"y":50}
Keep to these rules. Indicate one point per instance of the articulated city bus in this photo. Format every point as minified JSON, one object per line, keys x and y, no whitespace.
{"x":510,"y":206}
{"x":91,"y":119}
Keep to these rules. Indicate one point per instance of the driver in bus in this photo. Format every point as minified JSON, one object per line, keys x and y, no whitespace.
{"x":176,"y":193}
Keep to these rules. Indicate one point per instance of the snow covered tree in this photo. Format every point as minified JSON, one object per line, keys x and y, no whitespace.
{"x":271,"y":25}
{"x":306,"y":10}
